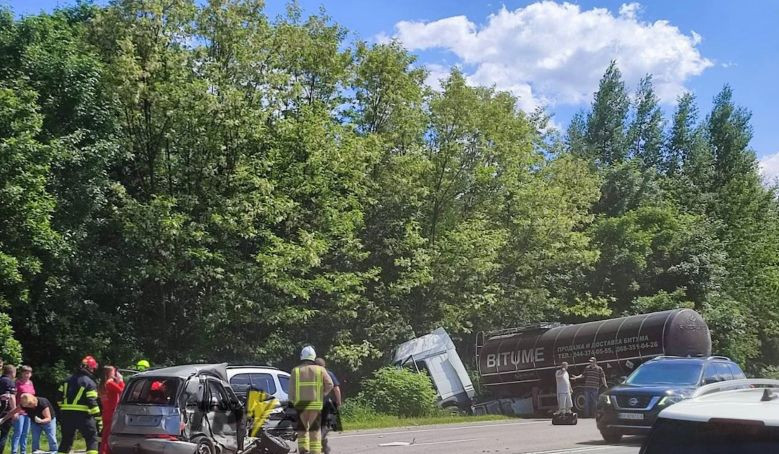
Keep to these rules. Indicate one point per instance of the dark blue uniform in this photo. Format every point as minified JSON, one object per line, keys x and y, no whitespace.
{"x":79,"y":410}
{"x":7,"y":389}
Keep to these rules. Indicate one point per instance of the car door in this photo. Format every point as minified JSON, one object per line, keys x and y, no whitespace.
{"x":223,"y":418}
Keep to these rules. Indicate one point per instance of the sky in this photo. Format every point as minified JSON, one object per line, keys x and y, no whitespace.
{"x":552,"y":54}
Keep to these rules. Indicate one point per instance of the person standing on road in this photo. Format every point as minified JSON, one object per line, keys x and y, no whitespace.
{"x":594,"y":379}
{"x":142,"y":365}
{"x":110,"y":390}
{"x":308,"y":386}
{"x":21,"y":421}
{"x":331,"y":406}
{"x":7,"y":402}
{"x":79,"y":410}
{"x":564,"y":401}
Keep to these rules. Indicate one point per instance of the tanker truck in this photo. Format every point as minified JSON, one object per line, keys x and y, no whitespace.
{"x":518,"y":365}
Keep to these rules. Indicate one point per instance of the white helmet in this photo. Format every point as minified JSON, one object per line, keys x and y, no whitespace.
{"x":308,"y":353}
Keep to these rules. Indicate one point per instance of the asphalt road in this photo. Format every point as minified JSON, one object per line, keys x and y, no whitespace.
{"x":527,"y":436}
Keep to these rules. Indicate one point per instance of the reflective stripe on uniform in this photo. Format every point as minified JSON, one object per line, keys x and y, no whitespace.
{"x":73,"y":407}
{"x":91,"y":393}
{"x":316,"y":402}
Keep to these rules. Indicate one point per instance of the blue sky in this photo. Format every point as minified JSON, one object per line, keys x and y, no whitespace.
{"x":551,"y":53}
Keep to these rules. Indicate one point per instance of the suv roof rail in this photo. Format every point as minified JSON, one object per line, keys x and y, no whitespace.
{"x":249,"y":366}
{"x":719,"y":357}
{"x":730,"y":385}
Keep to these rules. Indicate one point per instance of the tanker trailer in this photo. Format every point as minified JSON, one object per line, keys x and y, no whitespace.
{"x":520,"y":363}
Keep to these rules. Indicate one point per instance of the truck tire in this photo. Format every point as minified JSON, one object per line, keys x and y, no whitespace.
{"x":578,"y":400}
{"x":611,"y":436}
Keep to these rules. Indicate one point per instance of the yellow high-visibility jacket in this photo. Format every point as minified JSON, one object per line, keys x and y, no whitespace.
{"x":308,"y":386}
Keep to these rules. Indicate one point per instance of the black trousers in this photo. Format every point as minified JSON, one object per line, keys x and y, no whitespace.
{"x":72,"y":421}
{"x":5,"y":429}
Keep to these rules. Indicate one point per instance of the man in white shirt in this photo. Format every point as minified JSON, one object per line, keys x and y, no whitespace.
{"x":564,"y":401}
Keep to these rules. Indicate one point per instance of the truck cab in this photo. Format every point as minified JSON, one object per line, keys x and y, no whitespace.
{"x":436,"y":354}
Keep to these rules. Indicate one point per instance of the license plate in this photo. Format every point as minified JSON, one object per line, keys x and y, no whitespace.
{"x":633,"y":416}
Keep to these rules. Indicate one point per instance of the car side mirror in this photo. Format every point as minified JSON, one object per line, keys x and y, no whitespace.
{"x":623,"y":379}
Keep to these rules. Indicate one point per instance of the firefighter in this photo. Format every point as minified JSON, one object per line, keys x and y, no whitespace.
{"x":79,"y":409}
{"x":308,"y":386}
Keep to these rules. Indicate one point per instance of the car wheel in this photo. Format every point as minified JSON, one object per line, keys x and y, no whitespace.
{"x":205,"y":446}
{"x":611,"y":436}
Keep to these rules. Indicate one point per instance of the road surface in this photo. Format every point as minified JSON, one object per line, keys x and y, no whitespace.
{"x":526,"y":436}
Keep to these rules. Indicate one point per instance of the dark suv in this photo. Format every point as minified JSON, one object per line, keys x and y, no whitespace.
{"x":632,"y":407}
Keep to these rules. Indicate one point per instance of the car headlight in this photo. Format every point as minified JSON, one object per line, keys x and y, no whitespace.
{"x":604,"y":400}
{"x":671,"y":399}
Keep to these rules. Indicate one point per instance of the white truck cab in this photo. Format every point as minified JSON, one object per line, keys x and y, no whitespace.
{"x":435,"y":353}
{"x":738,"y":416}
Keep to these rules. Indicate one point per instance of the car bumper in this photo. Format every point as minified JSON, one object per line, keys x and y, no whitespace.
{"x":124,"y":444}
{"x":609,"y":420}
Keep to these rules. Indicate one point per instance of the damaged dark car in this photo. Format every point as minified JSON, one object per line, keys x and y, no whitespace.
{"x":179,"y":410}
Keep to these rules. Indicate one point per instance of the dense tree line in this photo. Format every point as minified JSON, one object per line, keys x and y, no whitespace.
{"x":203,"y":183}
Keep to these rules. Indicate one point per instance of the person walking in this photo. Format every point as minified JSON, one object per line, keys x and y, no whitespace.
{"x":21,"y":421}
{"x":110,"y":391}
{"x":594,"y":379}
{"x":308,"y":386}
{"x":7,"y":402}
{"x":331,"y":405}
{"x":79,"y":410}
{"x":41,"y":414}
{"x":564,"y":401}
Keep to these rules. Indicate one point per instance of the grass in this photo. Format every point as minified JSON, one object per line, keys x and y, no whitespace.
{"x":378,"y":421}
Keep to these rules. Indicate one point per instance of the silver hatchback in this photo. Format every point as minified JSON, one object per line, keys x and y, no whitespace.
{"x":179,"y":410}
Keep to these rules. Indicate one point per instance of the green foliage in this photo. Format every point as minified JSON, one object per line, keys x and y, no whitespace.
{"x":399,"y":392}
{"x":194,"y":181}
{"x":10,"y":348}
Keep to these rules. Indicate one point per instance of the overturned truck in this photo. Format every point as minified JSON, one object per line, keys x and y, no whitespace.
{"x":518,"y":365}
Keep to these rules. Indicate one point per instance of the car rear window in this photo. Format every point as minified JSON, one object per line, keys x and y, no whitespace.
{"x":688,"y":437}
{"x":152,"y":391}
{"x":241,"y":383}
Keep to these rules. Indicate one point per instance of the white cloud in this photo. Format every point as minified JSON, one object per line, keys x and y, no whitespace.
{"x":769,"y":167}
{"x":552,"y":53}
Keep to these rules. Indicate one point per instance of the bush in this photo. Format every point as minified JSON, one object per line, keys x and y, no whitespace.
{"x":355,"y":409}
{"x":399,"y":392}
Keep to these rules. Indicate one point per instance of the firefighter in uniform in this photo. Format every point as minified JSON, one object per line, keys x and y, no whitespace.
{"x":79,"y":408}
{"x":308,"y":386}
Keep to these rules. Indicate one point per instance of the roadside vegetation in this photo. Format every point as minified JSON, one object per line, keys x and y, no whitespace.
{"x":198,"y":182}
{"x":396,"y":397}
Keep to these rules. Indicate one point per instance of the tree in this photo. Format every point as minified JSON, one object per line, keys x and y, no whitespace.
{"x":606,"y":121}
{"x":645,"y":134}
{"x":683,"y":137}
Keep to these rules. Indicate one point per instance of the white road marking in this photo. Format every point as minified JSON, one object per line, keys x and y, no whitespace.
{"x":571,"y":450}
{"x":441,"y":429}
{"x":406,"y":444}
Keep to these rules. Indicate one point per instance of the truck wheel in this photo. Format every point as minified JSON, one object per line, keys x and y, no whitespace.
{"x":579,"y":400}
{"x":611,"y":436}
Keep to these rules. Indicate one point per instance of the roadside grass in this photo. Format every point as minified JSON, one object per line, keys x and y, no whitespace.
{"x":379,"y":421}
